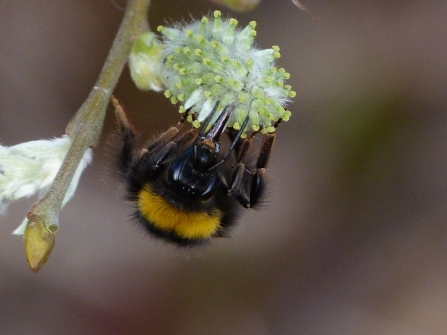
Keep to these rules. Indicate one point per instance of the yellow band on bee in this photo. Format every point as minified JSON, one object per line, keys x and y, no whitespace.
{"x":164,"y":216}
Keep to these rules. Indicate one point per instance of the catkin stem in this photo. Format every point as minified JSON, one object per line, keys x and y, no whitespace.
{"x":85,"y":127}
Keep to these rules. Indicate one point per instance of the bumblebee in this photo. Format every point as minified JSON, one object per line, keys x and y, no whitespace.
{"x":186,"y":188}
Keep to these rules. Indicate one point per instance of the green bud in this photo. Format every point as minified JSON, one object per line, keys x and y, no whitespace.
{"x":145,"y":62}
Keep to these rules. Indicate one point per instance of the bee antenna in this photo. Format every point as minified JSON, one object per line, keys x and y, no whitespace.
{"x":218,"y":127}
{"x":233,"y":144}
{"x":208,"y":120}
{"x":183,"y":119}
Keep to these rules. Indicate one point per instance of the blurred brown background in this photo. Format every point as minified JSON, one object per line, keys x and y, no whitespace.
{"x":352,"y":239}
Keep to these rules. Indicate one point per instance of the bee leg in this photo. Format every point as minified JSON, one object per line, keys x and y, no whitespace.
{"x":238,"y":174}
{"x":257,"y":182}
{"x":166,"y":137}
{"x":162,"y":150}
{"x":128,"y":136}
{"x":249,"y":186}
{"x":240,"y":185}
{"x":241,"y":150}
{"x":156,"y":152}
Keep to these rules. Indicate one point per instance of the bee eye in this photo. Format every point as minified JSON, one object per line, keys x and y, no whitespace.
{"x":205,"y":157}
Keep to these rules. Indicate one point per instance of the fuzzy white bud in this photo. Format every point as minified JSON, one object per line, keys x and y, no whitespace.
{"x":29,"y":168}
{"x":213,"y":60}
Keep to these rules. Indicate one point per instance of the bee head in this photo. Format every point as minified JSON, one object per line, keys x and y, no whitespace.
{"x":193,"y":173}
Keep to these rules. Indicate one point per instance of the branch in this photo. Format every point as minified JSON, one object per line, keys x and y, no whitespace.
{"x":84,"y":130}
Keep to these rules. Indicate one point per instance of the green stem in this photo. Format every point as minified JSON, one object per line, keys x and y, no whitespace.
{"x":86,"y":125}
